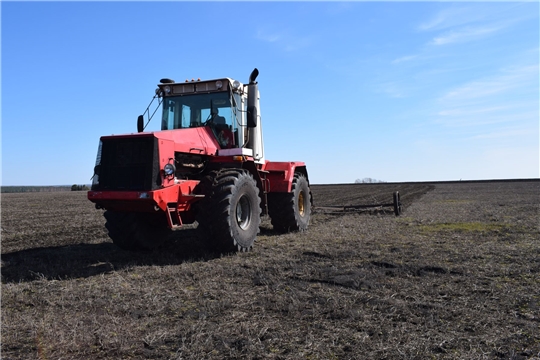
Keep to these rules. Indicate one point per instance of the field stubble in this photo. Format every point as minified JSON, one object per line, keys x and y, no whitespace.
{"x":456,"y":276}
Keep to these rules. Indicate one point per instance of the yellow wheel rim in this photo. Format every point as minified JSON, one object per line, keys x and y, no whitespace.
{"x":301,"y":208}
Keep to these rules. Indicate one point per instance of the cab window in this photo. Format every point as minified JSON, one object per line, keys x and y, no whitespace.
{"x":196,"y":110}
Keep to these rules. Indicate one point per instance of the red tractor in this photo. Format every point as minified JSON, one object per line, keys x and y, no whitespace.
{"x":206,"y":165}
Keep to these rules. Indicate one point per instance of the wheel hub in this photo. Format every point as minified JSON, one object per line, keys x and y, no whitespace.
{"x":243,"y":212}
{"x":301,"y":207}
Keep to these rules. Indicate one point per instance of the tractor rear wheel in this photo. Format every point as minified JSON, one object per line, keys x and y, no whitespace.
{"x":136,"y":231}
{"x":231,"y":214}
{"x":291,"y":211}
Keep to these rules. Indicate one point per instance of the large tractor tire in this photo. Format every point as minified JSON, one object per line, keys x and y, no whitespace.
{"x":136,"y":231}
{"x":230,"y":215}
{"x":291,"y":211}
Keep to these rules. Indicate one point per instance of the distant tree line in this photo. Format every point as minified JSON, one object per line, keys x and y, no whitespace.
{"x":368,"y":181}
{"x":24,"y":189}
{"x":76,"y":187}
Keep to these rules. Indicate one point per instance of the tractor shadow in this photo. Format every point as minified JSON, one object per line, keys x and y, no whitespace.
{"x":86,"y":260}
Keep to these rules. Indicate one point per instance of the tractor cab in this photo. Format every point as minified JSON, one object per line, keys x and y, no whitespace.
{"x":213,"y":109}
{"x":228,"y":107}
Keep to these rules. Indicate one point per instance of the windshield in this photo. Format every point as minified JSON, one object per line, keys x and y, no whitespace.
{"x":195,"y":110}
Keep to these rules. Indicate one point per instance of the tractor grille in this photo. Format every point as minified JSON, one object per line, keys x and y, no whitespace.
{"x":129,"y":164}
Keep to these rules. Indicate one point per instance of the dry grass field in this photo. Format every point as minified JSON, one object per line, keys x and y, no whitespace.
{"x":457,"y":276}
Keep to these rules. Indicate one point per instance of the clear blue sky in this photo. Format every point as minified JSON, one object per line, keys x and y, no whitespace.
{"x":394,"y":91}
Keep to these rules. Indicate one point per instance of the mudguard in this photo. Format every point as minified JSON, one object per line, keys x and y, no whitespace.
{"x":280,"y":174}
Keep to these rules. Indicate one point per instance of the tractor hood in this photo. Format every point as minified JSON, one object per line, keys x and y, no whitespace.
{"x":198,"y":141}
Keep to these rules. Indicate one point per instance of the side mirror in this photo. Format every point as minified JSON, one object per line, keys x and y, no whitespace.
{"x":140,"y":123}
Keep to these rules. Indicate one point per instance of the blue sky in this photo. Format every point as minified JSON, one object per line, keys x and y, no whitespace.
{"x":420,"y":91}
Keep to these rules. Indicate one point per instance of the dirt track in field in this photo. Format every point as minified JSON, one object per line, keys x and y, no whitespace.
{"x":457,"y":276}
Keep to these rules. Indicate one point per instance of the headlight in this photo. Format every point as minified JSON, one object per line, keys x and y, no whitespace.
{"x":167,"y":89}
{"x":236,"y":85}
{"x":169,"y":169}
{"x":219,"y":84}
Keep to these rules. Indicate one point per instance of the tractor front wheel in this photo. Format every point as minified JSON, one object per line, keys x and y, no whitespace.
{"x":136,"y":231}
{"x":231,"y":214}
{"x":291,"y":211}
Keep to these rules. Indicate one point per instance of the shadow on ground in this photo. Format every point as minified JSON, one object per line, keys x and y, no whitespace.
{"x":85,"y":260}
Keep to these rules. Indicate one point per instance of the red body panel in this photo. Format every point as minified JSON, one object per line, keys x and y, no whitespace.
{"x":280,"y":174}
{"x":199,"y":140}
{"x":181,"y":195}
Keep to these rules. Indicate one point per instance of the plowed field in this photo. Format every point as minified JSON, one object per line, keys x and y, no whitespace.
{"x":456,"y":276}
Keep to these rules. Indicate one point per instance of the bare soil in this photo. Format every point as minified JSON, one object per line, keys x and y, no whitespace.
{"x":457,"y":276}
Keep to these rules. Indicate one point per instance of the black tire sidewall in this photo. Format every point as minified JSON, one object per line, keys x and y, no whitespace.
{"x":136,"y":231}
{"x":245,"y":188}
{"x":284,"y":209}
{"x":218,"y":225}
{"x":302,"y":186}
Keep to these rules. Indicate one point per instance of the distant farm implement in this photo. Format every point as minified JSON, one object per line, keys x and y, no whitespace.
{"x":394,"y":206}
